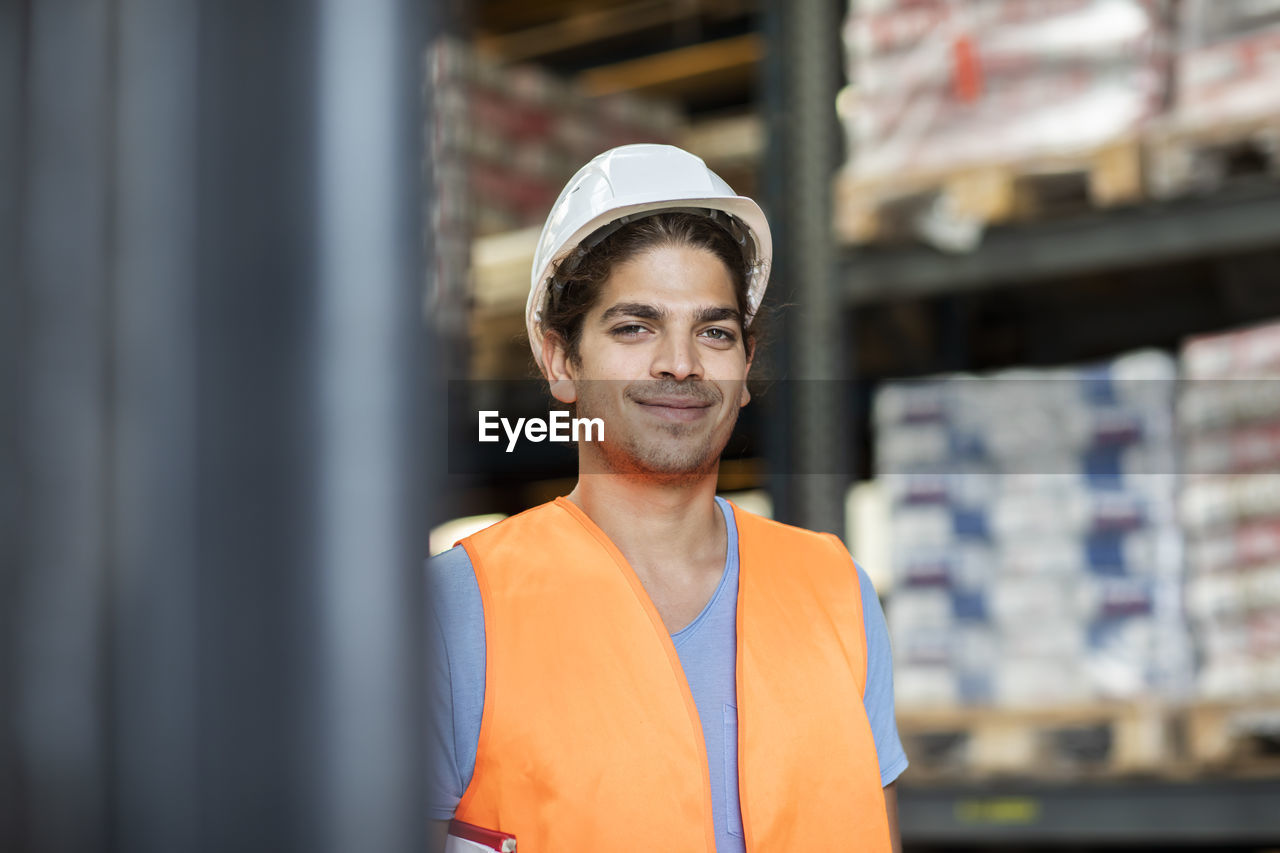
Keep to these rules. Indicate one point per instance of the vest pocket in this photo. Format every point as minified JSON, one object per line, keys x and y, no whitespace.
{"x":732,"y":804}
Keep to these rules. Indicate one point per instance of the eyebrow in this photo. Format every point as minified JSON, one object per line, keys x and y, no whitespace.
{"x":634,"y":309}
{"x":645,"y":311}
{"x":718,"y":314}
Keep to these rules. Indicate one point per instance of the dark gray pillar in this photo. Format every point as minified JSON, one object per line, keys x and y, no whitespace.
{"x":214,"y":511}
{"x":308,"y":449}
{"x":62,"y":428}
{"x":371,"y":516}
{"x":157,"y":559}
{"x":255,"y":352}
{"x":13,"y":28}
{"x":810,"y":462}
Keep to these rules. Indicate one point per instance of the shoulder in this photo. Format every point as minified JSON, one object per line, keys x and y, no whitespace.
{"x":803,"y":543}
{"x":449,"y":571}
{"x":532,"y":517}
{"x":453,"y":597}
{"x":787,"y":534}
{"x":456,"y":612}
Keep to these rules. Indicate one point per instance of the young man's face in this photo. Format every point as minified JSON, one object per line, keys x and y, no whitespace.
{"x":662,"y":362}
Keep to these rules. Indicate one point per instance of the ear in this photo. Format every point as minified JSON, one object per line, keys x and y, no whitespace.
{"x":558,"y":368}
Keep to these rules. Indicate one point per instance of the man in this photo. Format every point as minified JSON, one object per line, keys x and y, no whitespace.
{"x":641,"y":665}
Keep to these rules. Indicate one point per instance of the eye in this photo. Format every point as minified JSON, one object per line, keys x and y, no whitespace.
{"x":718,"y":334}
{"x":630,"y":330}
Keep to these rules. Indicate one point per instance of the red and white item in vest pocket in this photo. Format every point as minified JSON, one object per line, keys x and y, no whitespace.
{"x":469,"y":838}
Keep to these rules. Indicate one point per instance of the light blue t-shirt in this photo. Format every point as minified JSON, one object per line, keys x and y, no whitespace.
{"x":707,"y":647}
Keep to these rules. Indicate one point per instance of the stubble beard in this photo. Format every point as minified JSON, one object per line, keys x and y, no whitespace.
{"x":662,"y":453}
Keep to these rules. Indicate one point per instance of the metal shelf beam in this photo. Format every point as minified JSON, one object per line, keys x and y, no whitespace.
{"x":1239,"y":219}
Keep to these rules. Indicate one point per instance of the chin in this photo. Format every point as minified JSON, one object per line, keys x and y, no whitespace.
{"x":695,"y":456}
{"x":667,"y":451}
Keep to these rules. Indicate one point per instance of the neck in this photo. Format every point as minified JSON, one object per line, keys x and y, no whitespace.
{"x":650,"y":521}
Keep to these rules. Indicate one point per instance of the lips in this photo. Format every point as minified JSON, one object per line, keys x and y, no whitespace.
{"x":676,"y":409}
{"x":675,"y":402}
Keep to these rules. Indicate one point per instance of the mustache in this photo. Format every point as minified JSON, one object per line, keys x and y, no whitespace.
{"x":697,"y":392}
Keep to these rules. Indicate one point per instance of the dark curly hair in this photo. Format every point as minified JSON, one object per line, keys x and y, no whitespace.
{"x":576,"y":279}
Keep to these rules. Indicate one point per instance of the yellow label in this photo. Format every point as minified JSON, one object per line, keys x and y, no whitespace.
{"x":1003,"y":811}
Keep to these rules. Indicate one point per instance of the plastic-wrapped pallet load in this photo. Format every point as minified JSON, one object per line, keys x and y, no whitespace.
{"x":954,"y":82}
{"x":939,"y":88}
{"x":1229,"y":415}
{"x":1228,"y":64}
{"x":1225,"y":116}
{"x":509,"y":137}
{"x":1034,"y":539}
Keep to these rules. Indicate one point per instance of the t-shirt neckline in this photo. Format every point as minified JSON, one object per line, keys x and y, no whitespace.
{"x":730,"y":561}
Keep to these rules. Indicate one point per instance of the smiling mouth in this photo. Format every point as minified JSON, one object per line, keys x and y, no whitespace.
{"x":676,"y":409}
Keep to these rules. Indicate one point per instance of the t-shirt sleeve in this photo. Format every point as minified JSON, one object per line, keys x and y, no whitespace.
{"x":455,"y":678}
{"x":878,"y":694}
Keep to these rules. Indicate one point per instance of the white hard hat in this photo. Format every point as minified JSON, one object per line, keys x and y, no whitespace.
{"x":641,"y":179}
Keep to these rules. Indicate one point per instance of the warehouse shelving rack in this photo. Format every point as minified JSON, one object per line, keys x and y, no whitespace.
{"x":1031,"y":814}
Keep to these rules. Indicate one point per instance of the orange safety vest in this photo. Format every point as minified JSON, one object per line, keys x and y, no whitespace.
{"x":590,"y":739}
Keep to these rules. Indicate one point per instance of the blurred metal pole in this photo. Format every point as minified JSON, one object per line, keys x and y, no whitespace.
{"x":12,"y":47}
{"x":775,"y":360}
{"x":372,"y":526}
{"x":156,"y":563}
{"x":260,"y":636}
{"x":63,"y":472}
{"x":309,"y":451}
{"x":803,"y":145}
{"x":216,"y":505}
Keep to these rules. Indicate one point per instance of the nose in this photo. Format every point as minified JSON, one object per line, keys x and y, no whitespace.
{"x":676,"y":357}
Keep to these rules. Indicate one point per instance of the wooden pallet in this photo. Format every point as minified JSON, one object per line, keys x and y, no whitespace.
{"x":1236,"y":737}
{"x":499,"y":287}
{"x":499,"y":346}
{"x":1184,"y":158}
{"x":1103,"y":740}
{"x":872,"y":210}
